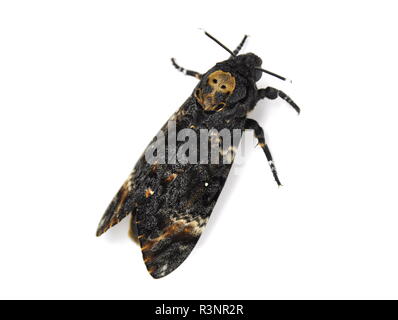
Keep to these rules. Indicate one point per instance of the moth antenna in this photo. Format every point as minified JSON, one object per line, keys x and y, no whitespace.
{"x":219,"y":43}
{"x":240,"y":46}
{"x":274,"y":74}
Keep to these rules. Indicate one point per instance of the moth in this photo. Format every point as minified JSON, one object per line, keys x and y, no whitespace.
{"x":171,"y":197}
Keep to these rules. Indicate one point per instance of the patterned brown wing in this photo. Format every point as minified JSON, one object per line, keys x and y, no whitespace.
{"x":171,"y":220}
{"x":119,"y":208}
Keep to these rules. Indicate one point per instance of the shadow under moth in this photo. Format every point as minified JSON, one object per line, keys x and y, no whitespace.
{"x":175,"y":184}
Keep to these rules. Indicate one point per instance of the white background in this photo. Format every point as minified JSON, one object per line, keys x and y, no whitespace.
{"x":84,"y":85}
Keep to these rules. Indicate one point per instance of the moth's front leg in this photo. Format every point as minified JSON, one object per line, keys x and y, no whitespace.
{"x":191,"y":73}
{"x":272,"y":93}
{"x":259,"y":134}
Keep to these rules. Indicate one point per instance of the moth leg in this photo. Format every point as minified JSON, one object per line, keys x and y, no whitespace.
{"x":259,"y":134}
{"x":272,"y":93}
{"x":195,"y":74}
{"x":236,"y":51}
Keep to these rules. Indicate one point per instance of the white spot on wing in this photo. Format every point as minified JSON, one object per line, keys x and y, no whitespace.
{"x":163,"y":270}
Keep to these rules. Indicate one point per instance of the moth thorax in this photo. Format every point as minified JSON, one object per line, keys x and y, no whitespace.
{"x":220,"y":85}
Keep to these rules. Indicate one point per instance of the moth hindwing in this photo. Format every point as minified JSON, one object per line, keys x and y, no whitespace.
{"x":175,"y":184}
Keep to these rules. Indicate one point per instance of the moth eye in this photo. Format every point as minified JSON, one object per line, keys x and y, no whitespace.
{"x":223,"y":87}
{"x":215,"y":81}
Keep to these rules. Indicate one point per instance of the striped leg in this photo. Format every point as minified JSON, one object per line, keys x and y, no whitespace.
{"x":272,"y":93}
{"x":259,"y":134}
{"x":195,"y":74}
{"x":236,"y":51}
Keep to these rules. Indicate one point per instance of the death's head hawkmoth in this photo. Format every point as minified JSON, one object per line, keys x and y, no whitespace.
{"x":175,"y":184}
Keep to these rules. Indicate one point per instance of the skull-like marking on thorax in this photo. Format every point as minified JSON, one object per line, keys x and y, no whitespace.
{"x":220,"y":86}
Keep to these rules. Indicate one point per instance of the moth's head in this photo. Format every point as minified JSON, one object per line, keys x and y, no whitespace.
{"x":228,"y":81}
{"x":248,"y":65}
